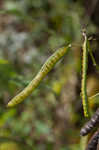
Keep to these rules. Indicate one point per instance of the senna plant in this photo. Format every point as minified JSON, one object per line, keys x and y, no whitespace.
{"x":49,"y":64}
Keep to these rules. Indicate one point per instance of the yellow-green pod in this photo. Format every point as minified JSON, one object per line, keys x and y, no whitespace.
{"x":84,"y":76}
{"x":48,"y":65}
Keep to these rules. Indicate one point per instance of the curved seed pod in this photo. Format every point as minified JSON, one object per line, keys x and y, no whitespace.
{"x":90,"y":124}
{"x":49,"y":64}
{"x":93,"y":142}
{"x":84,"y":76}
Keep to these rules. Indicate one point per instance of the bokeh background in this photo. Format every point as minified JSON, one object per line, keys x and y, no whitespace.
{"x":30,"y":31}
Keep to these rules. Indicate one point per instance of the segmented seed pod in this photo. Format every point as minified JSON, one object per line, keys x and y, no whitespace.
{"x":90,"y":124}
{"x":93,"y":142}
{"x":49,"y":64}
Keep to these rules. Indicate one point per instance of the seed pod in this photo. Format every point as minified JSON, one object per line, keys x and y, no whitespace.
{"x":84,"y":76}
{"x":90,"y":124}
{"x":93,"y":142}
{"x":49,"y":64}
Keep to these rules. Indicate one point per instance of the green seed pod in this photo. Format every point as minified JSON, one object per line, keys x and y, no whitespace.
{"x":84,"y":76}
{"x":48,"y":65}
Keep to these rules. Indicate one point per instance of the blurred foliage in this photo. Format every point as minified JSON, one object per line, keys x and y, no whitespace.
{"x":30,"y":31}
{"x":9,"y":146}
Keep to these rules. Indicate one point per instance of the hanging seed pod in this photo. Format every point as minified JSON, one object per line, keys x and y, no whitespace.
{"x":90,"y":124}
{"x":84,"y":76}
{"x":93,"y":142}
{"x":48,"y":65}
